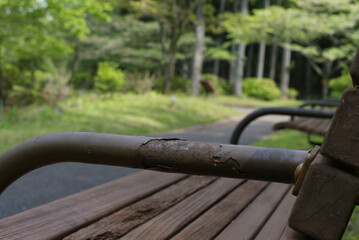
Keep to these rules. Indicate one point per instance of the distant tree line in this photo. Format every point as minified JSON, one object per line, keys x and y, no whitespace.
{"x":49,"y":48}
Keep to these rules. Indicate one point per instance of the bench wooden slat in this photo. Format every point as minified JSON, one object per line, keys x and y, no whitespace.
{"x":62,"y":217}
{"x":209,"y":224}
{"x":317,"y":126}
{"x":275,"y":226}
{"x":290,"y":234}
{"x":250,"y":221}
{"x":174,"y":219}
{"x":123,"y":221}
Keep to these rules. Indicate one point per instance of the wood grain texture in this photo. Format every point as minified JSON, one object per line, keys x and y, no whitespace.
{"x":274,"y":227}
{"x":317,"y":126}
{"x":208,"y":225}
{"x":250,"y":221}
{"x":64,"y":216}
{"x":121,"y":222}
{"x":290,"y":234}
{"x":174,"y":219}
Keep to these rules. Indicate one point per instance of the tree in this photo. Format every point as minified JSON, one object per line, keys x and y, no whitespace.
{"x":262,"y":51}
{"x":219,"y":40}
{"x":198,"y":54}
{"x":172,"y":16}
{"x":53,"y":25}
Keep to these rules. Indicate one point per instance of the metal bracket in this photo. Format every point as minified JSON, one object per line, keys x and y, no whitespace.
{"x":302,"y":169}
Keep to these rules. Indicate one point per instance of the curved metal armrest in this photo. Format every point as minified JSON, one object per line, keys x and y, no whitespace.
{"x":237,"y":132}
{"x":168,"y":155}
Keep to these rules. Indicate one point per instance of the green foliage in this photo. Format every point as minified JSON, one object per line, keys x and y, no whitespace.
{"x":48,"y":85}
{"x":55,"y":79}
{"x":179,"y":84}
{"x":264,"y":88}
{"x":220,"y":84}
{"x":139,"y":82}
{"x":339,"y":84}
{"x":83,"y":80}
{"x":292,"y":93}
{"x":109,"y":77}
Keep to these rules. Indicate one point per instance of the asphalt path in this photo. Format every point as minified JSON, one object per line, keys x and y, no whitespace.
{"x":59,"y":180}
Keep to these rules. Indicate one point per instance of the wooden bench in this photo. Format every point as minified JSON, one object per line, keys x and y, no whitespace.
{"x":152,"y":205}
{"x":310,"y":125}
{"x":310,"y":121}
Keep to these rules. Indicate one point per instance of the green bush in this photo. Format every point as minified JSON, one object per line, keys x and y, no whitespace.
{"x":83,"y":80}
{"x":179,"y":84}
{"x":139,"y":82}
{"x":292,"y":93}
{"x":109,"y":78}
{"x":339,"y":84}
{"x":48,"y":85}
{"x":264,"y":89}
{"x":220,"y":84}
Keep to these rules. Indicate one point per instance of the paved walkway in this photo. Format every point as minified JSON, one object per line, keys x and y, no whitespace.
{"x":56,"y":181}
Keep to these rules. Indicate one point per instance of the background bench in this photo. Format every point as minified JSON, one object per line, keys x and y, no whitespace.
{"x":311,"y":121}
{"x":310,"y":125}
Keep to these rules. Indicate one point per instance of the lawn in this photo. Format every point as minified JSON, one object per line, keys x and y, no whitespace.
{"x":296,"y":140}
{"x":119,"y":114}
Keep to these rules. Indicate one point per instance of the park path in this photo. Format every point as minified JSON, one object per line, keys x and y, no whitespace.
{"x":56,"y":181}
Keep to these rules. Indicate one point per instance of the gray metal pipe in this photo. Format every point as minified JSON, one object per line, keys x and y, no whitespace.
{"x":168,"y":155}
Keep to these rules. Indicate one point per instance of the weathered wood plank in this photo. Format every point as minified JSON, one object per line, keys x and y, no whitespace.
{"x":208,"y":225}
{"x":317,"y":126}
{"x":174,"y":219}
{"x":62,"y":217}
{"x":290,"y":234}
{"x":250,"y":221}
{"x":274,"y":227}
{"x":121,"y":222}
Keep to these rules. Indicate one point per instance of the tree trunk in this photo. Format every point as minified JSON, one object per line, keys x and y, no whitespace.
{"x":239,"y":69}
{"x":273,"y":61}
{"x":308,"y":80}
{"x":198,"y":52}
{"x":232,"y":64}
{"x":285,"y":72}
{"x":240,"y":57}
{"x":216,"y":64}
{"x":169,"y":71}
{"x":2,"y":95}
{"x":262,"y":50}
{"x":234,"y":49}
{"x":261,"y":53}
{"x":249,"y":61}
{"x":325,"y":88}
{"x":326,"y":72}
{"x":2,"y":90}
{"x":76,"y":63}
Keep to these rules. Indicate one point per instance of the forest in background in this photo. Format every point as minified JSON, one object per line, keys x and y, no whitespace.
{"x":51,"y":49}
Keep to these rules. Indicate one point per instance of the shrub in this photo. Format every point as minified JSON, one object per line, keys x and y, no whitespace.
{"x":140,"y":82}
{"x":339,"y":84}
{"x":292,"y":93}
{"x":264,"y":89}
{"x":179,"y":84}
{"x":83,"y":80}
{"x":220,"y":84}
{"x":109,"y":78}
{"x":49,"y":85}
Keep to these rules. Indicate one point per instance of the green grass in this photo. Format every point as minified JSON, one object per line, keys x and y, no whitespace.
{"x":245,"y":101}
{"x":296,"y":140}
{"x":120,"y":114}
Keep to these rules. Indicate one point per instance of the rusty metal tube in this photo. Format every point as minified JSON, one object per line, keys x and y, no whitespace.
{"x":169,"y":155}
